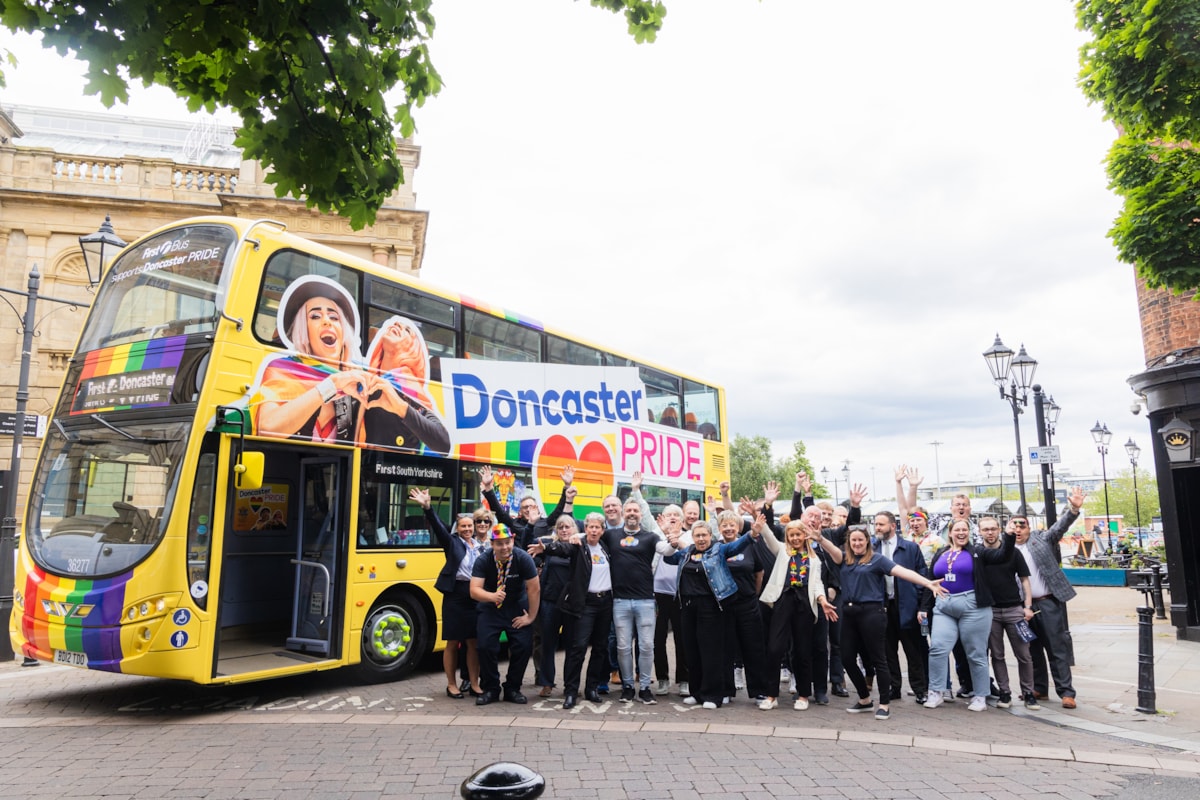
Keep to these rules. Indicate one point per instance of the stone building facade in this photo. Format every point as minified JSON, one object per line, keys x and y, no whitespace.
{"x":62,"y":172}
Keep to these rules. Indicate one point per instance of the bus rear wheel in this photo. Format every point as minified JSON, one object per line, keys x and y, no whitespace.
{"x":394,"y":640}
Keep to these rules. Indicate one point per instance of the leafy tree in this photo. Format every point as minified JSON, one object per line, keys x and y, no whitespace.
{"x":307,"y":77}
{"x":1121,"y":500}
{"x":1143,"y":65}
{"x":751,"y":466}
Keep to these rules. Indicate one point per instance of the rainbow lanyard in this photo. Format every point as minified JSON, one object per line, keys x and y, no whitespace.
{"x":501,"y":577}
{"x":798,"y":568}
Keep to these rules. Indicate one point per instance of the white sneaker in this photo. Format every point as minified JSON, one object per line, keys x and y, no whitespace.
{"x":711,"y":706}
{"x":739,"y":678}
{"x":726,"y":700}
{"x":934,"y":700}
{"x":948,"y":696}
{"x":662,"y":688}
{"x":683,"y":690}
{"x":801,"y":704}
{"x":978,"y":703}
{"x":689,"y":701}
{"x":767,"y":703}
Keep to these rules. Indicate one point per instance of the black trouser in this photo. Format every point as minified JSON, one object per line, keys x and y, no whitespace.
{"x":916,"y":652}
{"x":792,"y":624}
{"x":520,"y":645}
{"x":837,"y":672}
{"x":820,"y":660}
{"x":666,"y":613}
{"x":745,"y":636}
{"x":591,"y":630}
{"x":864,"y":630}
{"x":550,"y":621}
{"x":1054,"y":638}
{"x":703,"y":634}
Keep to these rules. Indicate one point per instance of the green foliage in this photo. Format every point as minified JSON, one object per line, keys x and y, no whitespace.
{"x":307,"y":77}
{"x":1121,"y":499}
{"x":751,"y":466}
{"x":645,"y":17}
{"x":1143,"y":65}
{"x":1158,"y":229}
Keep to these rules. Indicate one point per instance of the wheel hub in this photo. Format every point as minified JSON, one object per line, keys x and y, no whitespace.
{"x":391,"y":636}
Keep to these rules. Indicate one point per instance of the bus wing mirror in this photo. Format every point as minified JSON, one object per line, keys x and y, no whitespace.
{"x":248,"y":472}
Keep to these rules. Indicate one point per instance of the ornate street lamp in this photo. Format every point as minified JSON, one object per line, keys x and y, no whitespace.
{"x":1134,"y":451}
{"x":1101,"y":435}
{"x":1014,"y":377}
{"x":99,"y":248}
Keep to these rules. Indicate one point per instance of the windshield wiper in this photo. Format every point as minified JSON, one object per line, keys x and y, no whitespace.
{"x":127,"y":434}
{"x":70,"y":436}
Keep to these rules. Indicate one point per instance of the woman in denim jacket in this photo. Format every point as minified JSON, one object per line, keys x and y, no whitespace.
{"x":704,"y":582}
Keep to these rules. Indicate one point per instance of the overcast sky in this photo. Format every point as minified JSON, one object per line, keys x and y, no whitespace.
{"x":830,"y":209}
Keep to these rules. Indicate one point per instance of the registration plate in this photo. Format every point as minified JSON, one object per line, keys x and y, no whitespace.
{"x":71,"y":658}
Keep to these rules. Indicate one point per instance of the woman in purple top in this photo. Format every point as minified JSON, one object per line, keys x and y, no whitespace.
{"x":965,"y":612}
{"x":864,"y":615}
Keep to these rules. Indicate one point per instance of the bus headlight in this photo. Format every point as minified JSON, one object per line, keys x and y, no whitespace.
{"x":146,"y":608}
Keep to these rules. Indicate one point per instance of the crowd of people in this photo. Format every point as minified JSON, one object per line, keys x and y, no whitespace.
{"x":752,"y":601}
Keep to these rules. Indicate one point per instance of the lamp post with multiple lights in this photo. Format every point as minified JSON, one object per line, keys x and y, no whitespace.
{"x":1014,"y":377}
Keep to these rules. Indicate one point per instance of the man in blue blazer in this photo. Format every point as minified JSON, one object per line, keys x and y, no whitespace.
{"x":904,"y":625}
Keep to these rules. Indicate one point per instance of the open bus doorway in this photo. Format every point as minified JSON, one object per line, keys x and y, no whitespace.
{"x":281,"y":587}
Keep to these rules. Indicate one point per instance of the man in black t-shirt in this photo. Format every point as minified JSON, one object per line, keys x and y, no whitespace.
{"x":631,"y":551}
{"x":1013,"y":600}
{"x":505,"y":583}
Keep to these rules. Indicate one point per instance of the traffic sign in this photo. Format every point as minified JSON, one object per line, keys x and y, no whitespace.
{"x":1046,"y":454}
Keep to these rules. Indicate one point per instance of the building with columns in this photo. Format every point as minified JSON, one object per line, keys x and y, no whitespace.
{"x":62,"y":172}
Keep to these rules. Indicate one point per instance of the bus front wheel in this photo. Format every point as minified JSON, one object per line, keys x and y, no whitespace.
{"x":394,"y":640}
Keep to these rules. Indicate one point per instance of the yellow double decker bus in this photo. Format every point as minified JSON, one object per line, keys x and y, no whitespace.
{"x":222,"y":493}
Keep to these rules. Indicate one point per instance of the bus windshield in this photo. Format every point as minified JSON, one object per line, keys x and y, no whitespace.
{"x":167,"y":285}
{"x":100,"y":497}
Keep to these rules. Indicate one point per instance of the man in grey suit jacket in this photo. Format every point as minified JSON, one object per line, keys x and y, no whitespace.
{"x":1051,"y":590}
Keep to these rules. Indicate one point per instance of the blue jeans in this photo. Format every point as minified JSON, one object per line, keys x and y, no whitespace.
{"x":629,"y":615}
{"x":957,"y":617}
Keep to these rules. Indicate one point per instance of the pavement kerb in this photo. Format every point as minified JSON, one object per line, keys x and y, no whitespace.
{"x":1152,"y":761}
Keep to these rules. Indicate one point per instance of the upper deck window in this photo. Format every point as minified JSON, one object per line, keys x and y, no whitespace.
{"x":286,"y":267}
{"x":165,"y":286}
{"x":499,"y":340}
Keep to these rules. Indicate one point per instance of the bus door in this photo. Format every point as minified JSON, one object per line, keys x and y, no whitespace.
{"x":323,"y":529}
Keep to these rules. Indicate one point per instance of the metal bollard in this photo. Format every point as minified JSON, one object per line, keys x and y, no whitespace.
{"x":503,"y":779}
{"x":1146,"y":694}
{"x":1156,"y":585}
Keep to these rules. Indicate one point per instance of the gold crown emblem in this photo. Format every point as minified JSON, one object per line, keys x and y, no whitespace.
{"x":1177,"y":439}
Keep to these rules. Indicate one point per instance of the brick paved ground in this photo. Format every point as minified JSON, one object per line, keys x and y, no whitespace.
{"x":79,"y":734}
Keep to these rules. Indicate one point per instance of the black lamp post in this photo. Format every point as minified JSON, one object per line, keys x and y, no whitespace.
{"x":1046,"y":413}
{"x":104,"y":244}
{"x":1134,"y":451}
{"x":1014,"y":377}
{"x":825,"y":480}
{"x":1101,"y":435}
